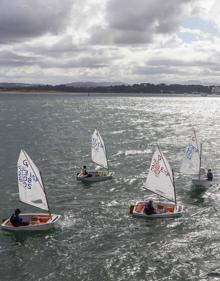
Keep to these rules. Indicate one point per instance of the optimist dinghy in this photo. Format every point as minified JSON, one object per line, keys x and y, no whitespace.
{"x":160,"y":180}
{"x":32,"y":192}
{"x":192,"y":163}
{"x":99,"y":157}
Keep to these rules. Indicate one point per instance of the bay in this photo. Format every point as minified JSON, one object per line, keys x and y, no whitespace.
{"x":96,"y":239}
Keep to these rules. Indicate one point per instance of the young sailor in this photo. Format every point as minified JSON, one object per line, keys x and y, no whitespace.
{"x":148,"y":208}
{"x":83,"y":171}
{"x":210,"y":175}
{"x":16,"y":220}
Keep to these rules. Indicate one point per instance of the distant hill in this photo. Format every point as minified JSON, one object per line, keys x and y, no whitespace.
{"x":110,"y":87}
{"x":90,"y":84}
{"x":87,"y":84}
{"x":17,"y":85}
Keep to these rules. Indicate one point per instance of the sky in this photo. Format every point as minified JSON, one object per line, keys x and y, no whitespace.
{"x":127,"y":41}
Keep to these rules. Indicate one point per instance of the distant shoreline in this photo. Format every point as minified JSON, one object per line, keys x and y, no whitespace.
{"x":98,"y":94}
{"x":88,"y":89}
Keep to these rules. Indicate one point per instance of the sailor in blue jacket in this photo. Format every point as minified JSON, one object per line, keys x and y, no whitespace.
{"x":209,"y":175}
{"x":16,"y":220}
{"x":148,"y":208}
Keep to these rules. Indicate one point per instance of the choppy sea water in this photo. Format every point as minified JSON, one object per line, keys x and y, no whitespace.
{"x":96,"y":239}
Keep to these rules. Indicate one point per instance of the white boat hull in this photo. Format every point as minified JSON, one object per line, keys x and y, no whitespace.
{"x":37,"y":222}
{"x":163,"y":210}
{"x":95,"y":176}
{"x":201,"y":183}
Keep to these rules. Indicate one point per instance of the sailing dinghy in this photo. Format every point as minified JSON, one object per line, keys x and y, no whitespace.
{"x":32,"y":192}
{"x":160,"y":181}
{"x":192,"y":163}
{"x":99,"y":157}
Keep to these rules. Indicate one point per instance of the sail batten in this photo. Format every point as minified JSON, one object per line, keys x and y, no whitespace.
{"x":30,"y":185}
{"x":98,"y":151}
{"x":192,"y":158}
{"x":160,"y":179}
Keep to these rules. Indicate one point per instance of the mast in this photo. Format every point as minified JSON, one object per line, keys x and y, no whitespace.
{"x":105,"y":151}
{"x":106,"y":157}
{"x":174,"y":185}
{"x":194,"y":131}
{"x":49,"y":212}
{"x":200,"y":151}
{"x":200,"y":160}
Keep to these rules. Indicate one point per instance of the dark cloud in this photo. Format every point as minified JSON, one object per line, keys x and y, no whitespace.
{"x":158,"y":70}
{"x":11,"y":59}
{"x":22,"y":19}
{"x":63,"y":47}
{"x":135,"y":22}
{"x":205,"y":62}
{"x":177,"y":67}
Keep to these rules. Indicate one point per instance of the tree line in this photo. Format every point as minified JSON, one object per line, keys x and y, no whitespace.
{"x":135,"y":88}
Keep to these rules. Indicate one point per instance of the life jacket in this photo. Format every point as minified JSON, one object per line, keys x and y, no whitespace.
{"x":15,"y":220}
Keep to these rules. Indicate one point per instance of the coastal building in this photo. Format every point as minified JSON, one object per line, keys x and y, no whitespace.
{"x":216,"y":90}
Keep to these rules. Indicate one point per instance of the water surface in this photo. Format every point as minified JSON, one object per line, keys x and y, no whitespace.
{"x":96,"y":239}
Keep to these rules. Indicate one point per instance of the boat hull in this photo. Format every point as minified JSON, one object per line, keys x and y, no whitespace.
{"x":95,"y":176}
{"x":201,"y":183}
{"x":37,"y":222}
{"x":163,"y":210}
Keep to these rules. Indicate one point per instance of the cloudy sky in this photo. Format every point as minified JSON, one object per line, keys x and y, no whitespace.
{"x":130,"y":41}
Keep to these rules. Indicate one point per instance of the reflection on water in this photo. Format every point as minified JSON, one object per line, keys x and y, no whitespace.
{"x":197,"y":195}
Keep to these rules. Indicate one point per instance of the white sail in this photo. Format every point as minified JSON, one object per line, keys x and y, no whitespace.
{"x":98,"y":150}
{"x":191,"y":161}
{"x":31,"y":190}
{"x":160,"y":177}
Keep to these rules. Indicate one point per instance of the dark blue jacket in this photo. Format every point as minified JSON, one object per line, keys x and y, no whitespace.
{"x":149,"y":209}
{"x":16,"y":220}
{"x":209,"y":176}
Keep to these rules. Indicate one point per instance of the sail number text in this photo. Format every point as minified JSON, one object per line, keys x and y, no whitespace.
{"x":158,"y":169}
{"x":25,"y":177}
